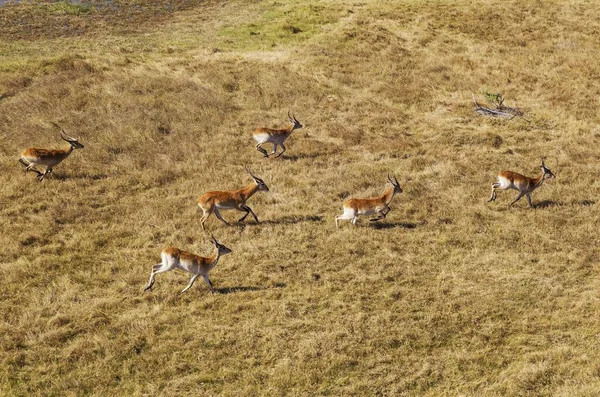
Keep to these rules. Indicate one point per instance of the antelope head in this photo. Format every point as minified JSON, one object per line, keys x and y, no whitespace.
{"x":72,"y":141}
{"x":547,"y":174}
{"x":259,"y":182}
{"x":293,"y":120}
{"x":223,"y":250}
{"x":394,"y":182}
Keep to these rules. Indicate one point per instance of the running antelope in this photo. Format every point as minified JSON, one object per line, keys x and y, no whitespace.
{"x":231,"y":200}
{"x":174,"y":258}
{"x":370,"y":206}
{"x":523,"y":184}
{"x":276,"y":137}
{"x":48,"y":157}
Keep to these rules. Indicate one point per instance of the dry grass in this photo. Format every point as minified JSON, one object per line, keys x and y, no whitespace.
{"x":449,"y":295}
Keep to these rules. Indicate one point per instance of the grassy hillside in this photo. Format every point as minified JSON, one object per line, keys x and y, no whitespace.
{"x":450,"y":295}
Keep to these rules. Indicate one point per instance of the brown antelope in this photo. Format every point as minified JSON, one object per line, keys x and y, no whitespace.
{"x":174,"y":258}
{"x":231,"y":200}
{"x":48,"y":157}
{"x":276,"y":137}
{"x":370,"y":206}
{"x":523,"y":184}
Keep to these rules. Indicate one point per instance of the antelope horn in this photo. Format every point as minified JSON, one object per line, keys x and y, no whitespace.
{"x":396,"y":179}
{"x":250,"y":172}
{"x":214,"y":240}
{"x":390,"y":180}
{"x":62,"y":131}
{"x":66,"y":137}
{"x":63,"y":134}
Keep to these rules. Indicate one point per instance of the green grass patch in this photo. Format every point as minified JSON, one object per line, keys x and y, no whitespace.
{"x":278,"y":25}
{"x":66,"y":7}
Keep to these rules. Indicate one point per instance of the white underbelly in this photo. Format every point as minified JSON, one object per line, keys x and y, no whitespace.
{"x":225,"y":206}
{"x":370,"y":211}
{"x":261,"y":138}
{"x":188,"y":267}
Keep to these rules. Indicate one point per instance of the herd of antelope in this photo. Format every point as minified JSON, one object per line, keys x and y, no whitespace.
{"x":215,"y":201}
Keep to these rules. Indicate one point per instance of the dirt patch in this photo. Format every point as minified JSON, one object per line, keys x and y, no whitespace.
{"x":27,"y":21}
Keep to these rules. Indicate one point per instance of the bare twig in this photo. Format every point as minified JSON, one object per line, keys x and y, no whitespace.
{"x":491,"y":112}
{"x":500,"y":111}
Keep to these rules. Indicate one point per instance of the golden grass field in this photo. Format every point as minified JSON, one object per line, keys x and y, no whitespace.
{"x":450,"y":295}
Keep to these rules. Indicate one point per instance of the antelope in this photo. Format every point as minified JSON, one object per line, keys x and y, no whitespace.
{"x":48,"y":157}
{"x":523,"y":184}
{"x":174,"y":258}
{"x":231,"y":200}
{"x":376,"y":205}
{"x":276,"y":137}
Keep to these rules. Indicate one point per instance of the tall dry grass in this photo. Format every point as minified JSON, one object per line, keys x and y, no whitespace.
{"x":448,"y":295}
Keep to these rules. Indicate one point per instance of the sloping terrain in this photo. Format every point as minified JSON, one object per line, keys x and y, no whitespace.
{"x":448,"y":295}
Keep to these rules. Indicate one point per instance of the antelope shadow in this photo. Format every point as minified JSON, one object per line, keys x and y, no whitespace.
{"x":60,"y":176}
{"x":286,"y":220}
{"x":551,"y":203}
{"x":546,"y":204}
{"x":296,"y":157}
{"x":393,"y":225}
{"x":233,"y":290}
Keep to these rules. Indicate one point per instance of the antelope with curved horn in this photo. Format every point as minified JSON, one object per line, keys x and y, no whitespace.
{"x":275,"y":136}
{"x":370,"y":206}
{"x":523,"y":184}
{"x":174,"y":258}
{"x":48,"y":157}
{"x":231,"y":200}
